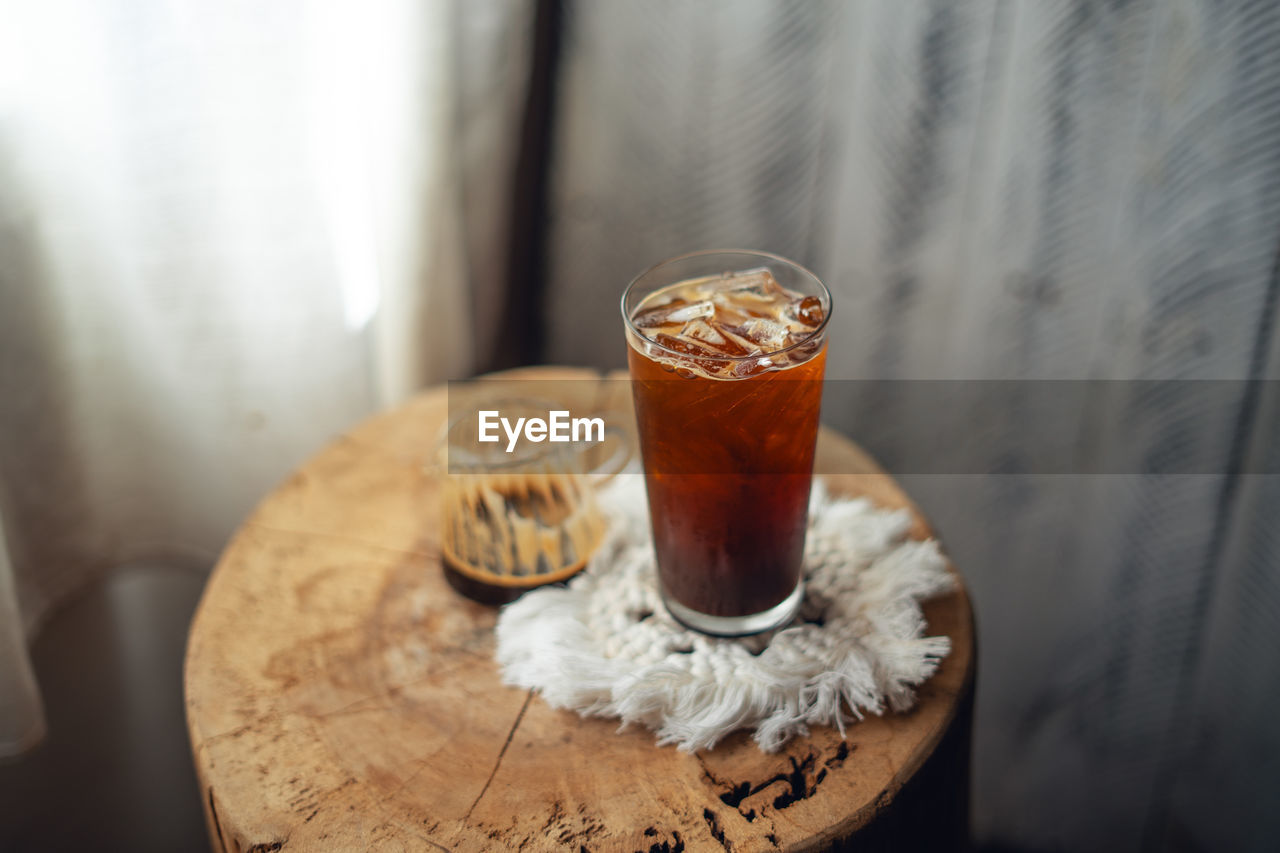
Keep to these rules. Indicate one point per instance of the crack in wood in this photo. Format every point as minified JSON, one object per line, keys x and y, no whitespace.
{"x":502,"y":752}
{"x":423,"y":764}
{"x":566,"y":829}
{"x":269,"y":716}
{"x":217,"y":826}
{"x":842,"y":752}
{"x":674,"y":845}
{"x":717,"y":832}
{"x":801,"y":780}
{"x":557,"y":812}
{"x":798,"y":787}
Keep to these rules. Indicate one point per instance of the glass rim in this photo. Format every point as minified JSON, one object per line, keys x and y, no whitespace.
{"x":822,"y":326}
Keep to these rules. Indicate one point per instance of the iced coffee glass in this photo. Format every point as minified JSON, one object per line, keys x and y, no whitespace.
{"x":727,"y":351}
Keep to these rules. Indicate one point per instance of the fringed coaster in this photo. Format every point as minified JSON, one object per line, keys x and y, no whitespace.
{"x":605,"y":645}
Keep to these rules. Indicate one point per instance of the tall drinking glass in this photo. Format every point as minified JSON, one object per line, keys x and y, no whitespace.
{"x":727,"y":350}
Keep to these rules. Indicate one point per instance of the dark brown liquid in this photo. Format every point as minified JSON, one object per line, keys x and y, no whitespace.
{"x":728,"y":454}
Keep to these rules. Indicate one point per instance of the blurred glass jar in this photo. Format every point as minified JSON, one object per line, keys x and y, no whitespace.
{"x":514,"y":520}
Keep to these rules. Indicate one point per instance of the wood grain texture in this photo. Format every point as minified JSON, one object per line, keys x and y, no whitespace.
{"x":1023,"y":190}
{"x":341,"y":696}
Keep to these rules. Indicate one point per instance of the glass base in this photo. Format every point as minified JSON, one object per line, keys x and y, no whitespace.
{"x":737,"y":626}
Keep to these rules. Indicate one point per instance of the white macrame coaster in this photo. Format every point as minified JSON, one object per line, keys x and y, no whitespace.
{"x":605,"y":646}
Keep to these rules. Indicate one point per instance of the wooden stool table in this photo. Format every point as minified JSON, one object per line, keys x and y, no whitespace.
{"x":341,"y":696}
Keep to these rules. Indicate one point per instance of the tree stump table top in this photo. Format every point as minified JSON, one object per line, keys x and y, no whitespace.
{"x":340,"y":695}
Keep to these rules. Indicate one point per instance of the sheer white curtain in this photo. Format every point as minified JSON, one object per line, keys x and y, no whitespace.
{"x":227,"y":232}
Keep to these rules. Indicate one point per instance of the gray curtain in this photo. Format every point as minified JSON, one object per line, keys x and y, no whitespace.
{"x":1002,"y":196}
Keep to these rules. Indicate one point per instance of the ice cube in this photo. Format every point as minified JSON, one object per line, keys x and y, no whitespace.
{"x":675,"y":311}
{"x":706,"y":333}
{"x":651,"y":318}
{"x":807,"y":311}
{"x":691,"y":351}
{"x":758,"y":283}
{"x":696,"y":311}
{"x":751,"y":367}
{"x":767,"y":334}
{"x":682,"y":346}
{"x":729,"y":315}
{"x":806,"y":349}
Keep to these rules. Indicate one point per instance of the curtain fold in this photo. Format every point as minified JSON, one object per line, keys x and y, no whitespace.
{"x":22,"y":722}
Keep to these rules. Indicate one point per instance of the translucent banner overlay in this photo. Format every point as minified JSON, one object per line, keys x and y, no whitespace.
{"x":910,"y":427}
